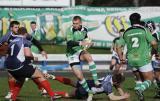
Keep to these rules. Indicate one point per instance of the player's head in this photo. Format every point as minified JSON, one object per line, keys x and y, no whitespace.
{"x":121,"y":31}
{"x":77,"y":22}
{"x":151,"y":26}
{"x":135,"y":18}
{"x":117,"y":79}
{"x":33,"y":25}
{"x":142,"y":23}
{"x":14,"y":25}
{"x":22,"y":31}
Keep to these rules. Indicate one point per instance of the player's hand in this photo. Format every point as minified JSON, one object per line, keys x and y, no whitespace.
{"x":123,"y":61}
{"x":35,"y":58}
{"x":126,"y":95}
{"x":44,"y":54}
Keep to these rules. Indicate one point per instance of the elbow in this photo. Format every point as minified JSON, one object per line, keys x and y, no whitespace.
{"x":154,"y":43}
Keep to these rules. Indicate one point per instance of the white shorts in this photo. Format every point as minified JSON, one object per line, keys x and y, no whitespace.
{"x":145,"y":68}
{"x":74,"y":58}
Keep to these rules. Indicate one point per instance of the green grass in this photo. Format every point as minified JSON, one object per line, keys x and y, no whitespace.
{"x":59,"y":49}
{"x":30,"y":92}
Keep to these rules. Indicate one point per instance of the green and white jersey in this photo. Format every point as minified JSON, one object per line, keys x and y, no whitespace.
{"x":36,"y":34}
{"x":158,"y":33}
{"x":73,"y":38}
{"x":138,"y":40}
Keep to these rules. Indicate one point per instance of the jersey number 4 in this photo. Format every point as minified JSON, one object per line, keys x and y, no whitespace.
{"x":135,"y":42}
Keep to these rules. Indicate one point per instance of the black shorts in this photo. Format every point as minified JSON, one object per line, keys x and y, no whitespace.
{"x":25,"y":72}
{"x":117,"y":60}
{"x":80,"y":92}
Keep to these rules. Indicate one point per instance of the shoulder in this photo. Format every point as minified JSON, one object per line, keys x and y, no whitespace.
{"x":85,"y":28}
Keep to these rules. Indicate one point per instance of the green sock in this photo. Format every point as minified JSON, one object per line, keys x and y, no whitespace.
{"x":146,"y":84}
{"x":92,"y":68}
{"x":84,"y":85}
{"x":138,"y":84}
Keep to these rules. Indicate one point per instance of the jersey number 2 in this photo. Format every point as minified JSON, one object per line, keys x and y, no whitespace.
{"x":135,"y":42}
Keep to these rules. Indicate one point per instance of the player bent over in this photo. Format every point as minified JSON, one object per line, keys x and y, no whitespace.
{"x":19,"y":65}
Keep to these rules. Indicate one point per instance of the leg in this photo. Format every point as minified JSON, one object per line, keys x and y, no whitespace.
{"x":157,"y":77}
{"x":82,"y":81}
{"x":92,"y":66}
{"x":146,"y":72}
{"x":66,"y":81}
{"x":17,"y":88}
{"x":137,"y":79}
{"x":113,"y":62}
{"x":78,"y":73}
{"x":43,"y":82}
{"x":11,"y":83}
{"x":61,"y":79}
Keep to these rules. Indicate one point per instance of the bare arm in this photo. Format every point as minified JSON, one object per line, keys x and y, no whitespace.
{"x":28,"y":54}
{"x":114,"y":97}
{"x":120,"y":91}
{"x":154,"y":44}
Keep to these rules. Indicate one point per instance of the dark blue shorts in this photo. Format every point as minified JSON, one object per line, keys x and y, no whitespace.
{"x":25,"y":72}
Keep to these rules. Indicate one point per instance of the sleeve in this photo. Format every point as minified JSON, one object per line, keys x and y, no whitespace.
{"x":29,"y":37}
{"x":149,"y":36}
{"x":26,"y":43}
{"x":107,"y":86}
{"x":120,"y":42}
{"x":4,"y":38}
{"x":155,"y":35}
{"x":37,"y":44}
{"x":86,"y":30}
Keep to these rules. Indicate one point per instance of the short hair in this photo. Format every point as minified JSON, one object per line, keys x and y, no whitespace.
{"x":14,"y":23}
{"x":151,"y":25}
{"x":121,"y":30}
{"x":135,"y":18}
{"x":118,"y":78}
{"x":22,"y":31}
{"x":33,"y":22}
{"x":77,"y":18}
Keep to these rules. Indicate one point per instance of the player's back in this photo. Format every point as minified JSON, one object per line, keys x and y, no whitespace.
{"x":138,"y":39}
{"x":16,"y":56}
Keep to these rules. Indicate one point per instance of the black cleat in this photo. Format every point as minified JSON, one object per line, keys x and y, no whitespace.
{"x":140,"y":95}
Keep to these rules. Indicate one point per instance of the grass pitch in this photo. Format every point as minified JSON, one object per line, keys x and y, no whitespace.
{"x":30,"y":92}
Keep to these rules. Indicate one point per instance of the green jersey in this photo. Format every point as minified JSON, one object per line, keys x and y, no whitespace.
{"x":138,"y":40}
{"x":73,"y":38}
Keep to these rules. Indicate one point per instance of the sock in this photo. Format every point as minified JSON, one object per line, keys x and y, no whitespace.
{"x":11,"y":84}
{"x":138,"y":85}
{"x":158,"y":84}
{"x":84,"y":85}
{"x":146,"y":84}
{"x":38,"y":84}
{"x":92,"y":68}
{"x":63,"y":80}
{"x":15,"y":92}
{"x":63,"y":94}
{"x":45,"y":84}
